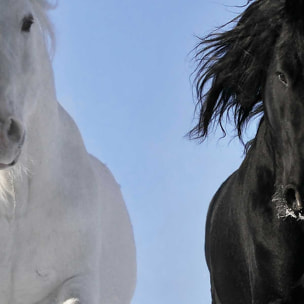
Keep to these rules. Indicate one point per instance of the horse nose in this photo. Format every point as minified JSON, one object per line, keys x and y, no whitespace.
{"x":293,"y":198}
{"x":13,"y":130}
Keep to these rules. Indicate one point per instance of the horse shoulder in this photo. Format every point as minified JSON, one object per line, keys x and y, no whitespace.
{"x":118,"y":247}
{"x":99,"y":203}
{"x":219,"y":203}
{"x":224,"y":242}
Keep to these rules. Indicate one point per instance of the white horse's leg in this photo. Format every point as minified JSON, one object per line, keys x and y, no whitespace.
{"x":72,"y":301}
{"x":78,"y":290}
{"x":69,"y":301}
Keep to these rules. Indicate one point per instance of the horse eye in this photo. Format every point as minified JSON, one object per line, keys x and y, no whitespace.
{"x":282,"y":78}
{"x":27,"y":22}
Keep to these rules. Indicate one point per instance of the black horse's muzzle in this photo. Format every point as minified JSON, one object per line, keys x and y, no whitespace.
{"x":293,"y":199}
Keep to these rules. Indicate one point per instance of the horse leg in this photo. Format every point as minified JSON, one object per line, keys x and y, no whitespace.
{"x":78,"y":290}
{"x":51,"y":300}
{"x":72,"y":301}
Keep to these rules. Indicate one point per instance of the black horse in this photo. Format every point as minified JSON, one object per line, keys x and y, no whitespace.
{"x":255,"y":228}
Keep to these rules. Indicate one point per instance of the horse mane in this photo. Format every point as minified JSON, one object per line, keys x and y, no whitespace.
{"x":233,"y":65}
{"x":41,"y":8}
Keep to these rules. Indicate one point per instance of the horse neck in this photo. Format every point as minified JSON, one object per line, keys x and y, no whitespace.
{"x":258,"y":168}
{"x":41,"y":126}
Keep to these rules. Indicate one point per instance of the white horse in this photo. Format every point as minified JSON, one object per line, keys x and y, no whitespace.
{"x":65,"y":234}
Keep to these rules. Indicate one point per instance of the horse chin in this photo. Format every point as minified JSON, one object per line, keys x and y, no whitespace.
{"x":7,"y":164}
{"x":10,"y":156}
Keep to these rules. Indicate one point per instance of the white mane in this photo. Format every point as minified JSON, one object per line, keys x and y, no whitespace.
{"x":41,"y":8}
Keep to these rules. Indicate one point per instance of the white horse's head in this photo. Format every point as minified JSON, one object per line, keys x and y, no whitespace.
{"x":23,"y":68}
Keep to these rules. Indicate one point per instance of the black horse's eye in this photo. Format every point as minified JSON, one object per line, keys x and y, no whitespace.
{"x":282,"y":78}
{"x":27,"y":22}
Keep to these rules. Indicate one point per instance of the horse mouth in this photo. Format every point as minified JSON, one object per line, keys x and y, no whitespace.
{"x":5,"y":166}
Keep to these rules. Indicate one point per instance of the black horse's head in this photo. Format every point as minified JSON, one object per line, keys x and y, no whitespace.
{"x":257,"y":67}
{"x":284,"y":111}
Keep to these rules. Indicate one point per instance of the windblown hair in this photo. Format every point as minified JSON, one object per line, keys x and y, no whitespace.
{"x":41,"y":8}
{"x":233,"y":65}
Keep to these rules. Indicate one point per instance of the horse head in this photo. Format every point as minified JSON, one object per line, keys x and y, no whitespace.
{"x":21,"y":46}
{"x":257,"y":68}
{"x":284,"y":106}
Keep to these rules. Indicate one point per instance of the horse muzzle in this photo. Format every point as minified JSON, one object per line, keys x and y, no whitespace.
{"x":12,"y":137}
{"x":293,"y":199}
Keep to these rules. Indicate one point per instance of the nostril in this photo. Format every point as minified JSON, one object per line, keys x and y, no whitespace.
{"x":290,"y":196}
{"x":14,"y":130}
{"x":293,"y":198}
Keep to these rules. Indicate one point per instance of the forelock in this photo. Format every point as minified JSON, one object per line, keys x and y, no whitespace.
{"x":41,"y":10}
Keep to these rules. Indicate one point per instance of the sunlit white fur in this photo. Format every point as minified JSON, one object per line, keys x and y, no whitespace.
{"x":65,"y":234}
{"x":7,"y":189}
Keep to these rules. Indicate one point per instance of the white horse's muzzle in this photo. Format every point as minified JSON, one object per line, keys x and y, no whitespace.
{"x":12,"y":136}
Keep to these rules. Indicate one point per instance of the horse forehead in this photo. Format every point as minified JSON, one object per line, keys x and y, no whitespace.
{"x":290,"y":52}
{"x":11,"y":4}
{"x":12,"y":9}
{"x":11,"y":15}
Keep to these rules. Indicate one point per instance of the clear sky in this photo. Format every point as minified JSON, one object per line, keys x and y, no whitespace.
{"x":122,"y":70}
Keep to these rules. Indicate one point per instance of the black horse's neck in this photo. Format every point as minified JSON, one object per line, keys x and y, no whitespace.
{"x":257,"y":172}
{"x":261,"y":153}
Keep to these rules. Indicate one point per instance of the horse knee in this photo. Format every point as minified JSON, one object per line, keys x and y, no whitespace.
{"x":77,"y":290}
{"x":72,"y":301}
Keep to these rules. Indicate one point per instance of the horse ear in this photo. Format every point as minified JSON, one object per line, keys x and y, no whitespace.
{"x":295,"y":9}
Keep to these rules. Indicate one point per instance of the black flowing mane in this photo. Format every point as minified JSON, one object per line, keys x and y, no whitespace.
{"x":233,"y":65}
{"x":254,"y":238}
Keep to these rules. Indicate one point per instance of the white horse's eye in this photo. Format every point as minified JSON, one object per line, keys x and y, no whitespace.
{"x":27,"y":22}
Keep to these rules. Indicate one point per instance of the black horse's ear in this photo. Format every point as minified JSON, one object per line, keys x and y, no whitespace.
{"x":295,"y":9}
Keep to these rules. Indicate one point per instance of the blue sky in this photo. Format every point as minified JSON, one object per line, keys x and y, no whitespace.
{"x":123,"y":70}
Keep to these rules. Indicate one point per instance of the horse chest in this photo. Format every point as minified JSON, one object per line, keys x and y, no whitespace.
{"x":39,"y":251}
